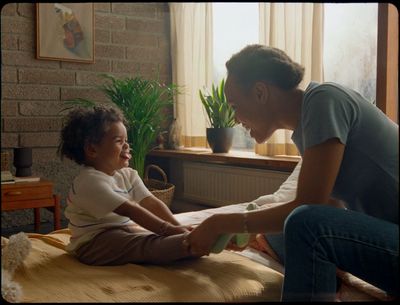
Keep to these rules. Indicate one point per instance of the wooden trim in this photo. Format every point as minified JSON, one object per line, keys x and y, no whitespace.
{"x":240,"y":158}
{"x":387,"y":60}
{"x":273,"y":149}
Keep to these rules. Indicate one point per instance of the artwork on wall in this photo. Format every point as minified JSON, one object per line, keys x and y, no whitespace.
{"x":65,"y":31}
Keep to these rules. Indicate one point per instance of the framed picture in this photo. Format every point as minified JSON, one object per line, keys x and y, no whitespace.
{"x":65,"y":31}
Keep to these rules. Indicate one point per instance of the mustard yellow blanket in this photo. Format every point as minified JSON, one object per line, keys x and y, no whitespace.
{"x":49,"y":274}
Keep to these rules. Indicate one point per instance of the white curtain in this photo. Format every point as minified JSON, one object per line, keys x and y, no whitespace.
{"x":192,"y":66}
{"x":297,"y":29}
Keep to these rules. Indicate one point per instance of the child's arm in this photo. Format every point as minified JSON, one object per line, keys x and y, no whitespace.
{"x":148,"y":220}
{"x":157,"y":207}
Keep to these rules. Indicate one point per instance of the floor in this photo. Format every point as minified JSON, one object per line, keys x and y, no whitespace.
{"x":177,"y":206}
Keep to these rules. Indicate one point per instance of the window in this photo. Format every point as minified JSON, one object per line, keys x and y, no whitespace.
{"x":235,"y":25}
{"x":350,"y":46}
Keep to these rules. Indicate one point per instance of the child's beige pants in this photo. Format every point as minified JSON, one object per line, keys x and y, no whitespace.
{"x":122,"y":245}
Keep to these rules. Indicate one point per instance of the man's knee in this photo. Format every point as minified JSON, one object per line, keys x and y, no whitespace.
{"x":300,"y":218}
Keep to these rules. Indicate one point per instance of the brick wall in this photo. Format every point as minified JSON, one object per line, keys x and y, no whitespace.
{"x":130,"y":39}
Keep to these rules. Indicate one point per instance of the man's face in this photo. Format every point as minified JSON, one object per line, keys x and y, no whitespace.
{"x":250,"y":109}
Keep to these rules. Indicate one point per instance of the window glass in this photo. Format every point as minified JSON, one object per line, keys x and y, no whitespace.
{"x":235,"y":25}
{"x":350,"y":46}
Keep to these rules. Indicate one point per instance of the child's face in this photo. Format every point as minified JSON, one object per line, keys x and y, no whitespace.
{"x":112,"y":153}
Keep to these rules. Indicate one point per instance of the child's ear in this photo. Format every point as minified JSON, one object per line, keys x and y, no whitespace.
{"x":90,"y":150}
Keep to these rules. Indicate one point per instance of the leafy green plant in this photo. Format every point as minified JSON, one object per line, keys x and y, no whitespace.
{"x":142,"y":102}
{"x":219,"y":112}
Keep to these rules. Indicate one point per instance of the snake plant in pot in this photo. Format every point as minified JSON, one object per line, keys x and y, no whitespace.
{"x":221,"y":118}
{"x":142,"y":102}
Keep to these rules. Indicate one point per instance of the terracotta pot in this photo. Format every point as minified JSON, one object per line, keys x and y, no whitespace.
{"x":220,"y":139}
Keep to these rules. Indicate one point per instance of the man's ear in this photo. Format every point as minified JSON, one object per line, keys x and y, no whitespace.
{"x":261,"y":92}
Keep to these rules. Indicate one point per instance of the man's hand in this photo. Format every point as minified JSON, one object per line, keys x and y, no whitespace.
{"x":203,"y":237}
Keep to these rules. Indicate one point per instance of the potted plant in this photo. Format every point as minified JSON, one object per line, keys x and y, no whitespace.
{"x":142,"y":102}
{"x":221,"y":117}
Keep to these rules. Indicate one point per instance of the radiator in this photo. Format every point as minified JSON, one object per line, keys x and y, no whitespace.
{"x":218,"y":185}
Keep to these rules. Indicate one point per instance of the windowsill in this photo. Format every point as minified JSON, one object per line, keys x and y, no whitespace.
{"x":234,"y":157}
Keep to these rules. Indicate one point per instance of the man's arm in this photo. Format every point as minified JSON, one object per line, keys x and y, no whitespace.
{"x":317,"y":176}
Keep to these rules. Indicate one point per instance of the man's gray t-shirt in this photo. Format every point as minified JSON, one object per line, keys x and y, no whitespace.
{"x":368,"y":178}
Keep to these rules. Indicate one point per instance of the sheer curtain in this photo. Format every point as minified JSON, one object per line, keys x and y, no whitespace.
{"x":297,"y":29}
{"x":192,"y":66}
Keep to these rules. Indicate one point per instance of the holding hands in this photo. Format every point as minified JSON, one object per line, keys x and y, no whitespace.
{"x":168,"y":229}
{"x":203,"y":237}
{"x":209,"y":236}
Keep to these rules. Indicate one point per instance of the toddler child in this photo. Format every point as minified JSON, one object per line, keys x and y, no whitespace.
{"x":108,"y":200}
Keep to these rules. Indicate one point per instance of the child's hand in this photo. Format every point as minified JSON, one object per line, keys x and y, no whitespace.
{"x":174,"y":229}
{"x":189,"y":228}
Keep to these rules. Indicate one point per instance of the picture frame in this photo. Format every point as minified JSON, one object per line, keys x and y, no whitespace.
{"x":65,"y":32}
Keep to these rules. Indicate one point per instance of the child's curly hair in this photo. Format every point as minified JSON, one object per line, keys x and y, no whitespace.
{"x":84,"y":126}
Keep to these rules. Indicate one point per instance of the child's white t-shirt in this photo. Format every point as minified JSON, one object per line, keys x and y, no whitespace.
{"x":94,"y":196}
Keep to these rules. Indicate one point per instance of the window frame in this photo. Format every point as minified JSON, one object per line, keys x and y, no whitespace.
{"x":387,"y":60}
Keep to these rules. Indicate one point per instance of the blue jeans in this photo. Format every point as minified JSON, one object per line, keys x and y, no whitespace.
{"x":320,"y":238}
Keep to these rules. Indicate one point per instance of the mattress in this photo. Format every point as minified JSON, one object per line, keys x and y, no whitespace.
{"x":49,"y":274}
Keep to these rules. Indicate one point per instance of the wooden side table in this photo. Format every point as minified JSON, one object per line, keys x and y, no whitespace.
{"x":31,"y":195}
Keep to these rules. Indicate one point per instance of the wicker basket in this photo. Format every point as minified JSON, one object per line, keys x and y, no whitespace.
{"x":161,"y":189}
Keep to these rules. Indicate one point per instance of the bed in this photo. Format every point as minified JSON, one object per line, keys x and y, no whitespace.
{"x":49,"y":274}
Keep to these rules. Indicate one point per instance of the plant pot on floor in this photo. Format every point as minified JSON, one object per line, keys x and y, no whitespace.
{"x":220,"y":139}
